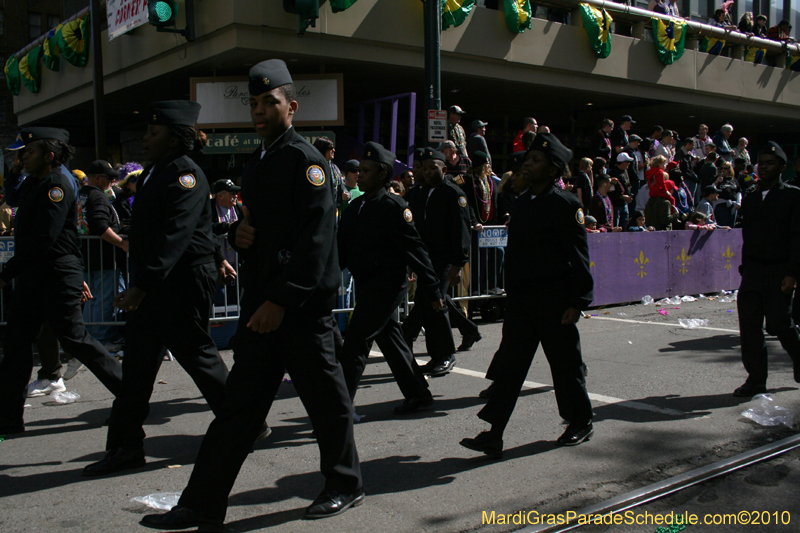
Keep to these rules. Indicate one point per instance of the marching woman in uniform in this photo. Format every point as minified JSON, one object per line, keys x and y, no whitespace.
{"x":172,"y":288}
{"x":548,"y":283}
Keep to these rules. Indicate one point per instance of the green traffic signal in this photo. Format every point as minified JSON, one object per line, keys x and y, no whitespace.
{"x":163,"y":12}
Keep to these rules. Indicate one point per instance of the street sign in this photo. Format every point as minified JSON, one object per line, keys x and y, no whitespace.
{"x":437,"y":125}
{"x":493,"y":238}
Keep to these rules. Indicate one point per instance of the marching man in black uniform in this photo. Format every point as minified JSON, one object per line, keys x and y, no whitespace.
{"x":377,"y":241}
{"x":48,"y":271}
{"x":290,"y":277}
{"x":770,"y":269}
{"x":173,"y":282}
{"x":441,"y":213}
{"x":548,"y":283}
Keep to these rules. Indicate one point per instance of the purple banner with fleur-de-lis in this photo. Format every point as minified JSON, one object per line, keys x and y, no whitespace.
{"x":628,"y":266}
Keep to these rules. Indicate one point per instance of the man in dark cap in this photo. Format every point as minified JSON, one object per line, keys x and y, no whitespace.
{"x":442,"y":216}
{"x":377,"y":242}
{"x":477,"y":140}
{"x":225,"y":209}
{"x":619,"y":136}
{"x":48,"y":271}
{"x":290,"y":277}
{"x":455,"y":131}
{"x":548,"y":283}
{"x":770,"y":269}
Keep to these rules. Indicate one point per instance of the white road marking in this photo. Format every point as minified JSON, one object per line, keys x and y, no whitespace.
{"x":545,"y":387}
{"x":669,"y":324}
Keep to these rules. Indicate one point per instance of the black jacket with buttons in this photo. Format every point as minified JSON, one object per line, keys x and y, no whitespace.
{"x":443,"y":221}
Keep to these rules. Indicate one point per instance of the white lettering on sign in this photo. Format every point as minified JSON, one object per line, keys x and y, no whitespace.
{"x":6,"y":250}
{"x":437,"y":125}
{"x":493,"y":238}
{"x":124,"y":15}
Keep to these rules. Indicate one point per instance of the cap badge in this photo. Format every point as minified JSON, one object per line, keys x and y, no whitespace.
{"x":407,"y":216}
{"x":30,"y":136}
{"x":187,"y":180}
{"x":266,"y":81}
{"x":544,"y":144}
{"x":579,"y":217}
{"x":56,"y":194}
{"x":315,"y":175}
{"x":462,"y":201}
{"x":155,"y":118}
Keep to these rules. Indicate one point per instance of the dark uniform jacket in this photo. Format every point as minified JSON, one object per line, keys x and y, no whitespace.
{"x":378,"y":240}
{"x":442,"y":219}
{"x":547,"y":257}
{"x":45,"y":228}
{"x":293,"y":262}
{"x":171,"y":225}
{"x":771,"y":228}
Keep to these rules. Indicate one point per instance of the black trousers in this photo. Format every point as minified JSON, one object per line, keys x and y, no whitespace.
{"x":177,"y":317}
{"x":49,"y":294}
{"x":413,"y":322}
{"x":760,"y":297}
{"x":528,"y":323}
{"x":303,"y":345}
{"x":438,"y":333}
{"x":376,"y":318}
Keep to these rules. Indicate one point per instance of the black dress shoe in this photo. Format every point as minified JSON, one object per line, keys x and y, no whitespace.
{"x":11,"y":430}
{"x":182,"y":518}
{"x":333,"y":502}
{"x":487,"y":392}
{"x":442,"y":367}
{"x":412,"y":405}
{"x":575,"y":434}
{"x":485,"y":442}
{"x":748,"y":390}
{"x":468,"y":340}
{"x":116,"y":461}
{"x":796,"y":365}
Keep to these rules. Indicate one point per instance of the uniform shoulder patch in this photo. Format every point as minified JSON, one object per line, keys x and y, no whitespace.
{"x":315,"y":175}
{"x":56,"y":194}
{"x":187,"y":180}
{"x":407,"y":216}
{"x":462,"y":201}
{"x":579,"y":217}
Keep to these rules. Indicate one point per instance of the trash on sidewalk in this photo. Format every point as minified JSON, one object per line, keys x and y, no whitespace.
{"x":688,"y":298}
{"x":728,"y":297}
{"x":663,"y":312}
{"x":647,"y":300}
{"x":765,"y":412}
{"x":63,"y":397}
{"x":159,"y":500}
{"x":357,"y":417}
{"x":693,"y":323}
{"x":162,"y":382}
{"x":174,"y":466}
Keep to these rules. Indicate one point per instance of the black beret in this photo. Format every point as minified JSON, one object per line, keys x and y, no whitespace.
{"x":173,"y":113}
{"x":268,"y":75}
{"x":550,"y":145}
{"x":376,"y":152}
{"x":774,"y":148}
{"x":39,"y":133}
{"x":353,"y":164}
{"x":430,"y":153}
{"x":102,"y":167}
{"x":479,"y":158}
{"x":517,"y":158}
{"x":418,"y":153}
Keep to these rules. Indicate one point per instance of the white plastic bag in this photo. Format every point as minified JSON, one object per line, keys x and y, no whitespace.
{"x":647,"y":300}
{"x":159,"y":500}
{"x":765,"y":412}
{"x":63,"y":397}
{"x":675,"y":300}
{"x":688,"y":298}
{"x":693,"y":323}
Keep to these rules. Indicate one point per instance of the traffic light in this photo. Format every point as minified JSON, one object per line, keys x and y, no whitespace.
{"x":163,"y":12}
{"x":307,"y":13}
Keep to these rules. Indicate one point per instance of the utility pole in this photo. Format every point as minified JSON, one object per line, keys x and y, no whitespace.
{"x":433,"y":45}
{"x":96,"y":15}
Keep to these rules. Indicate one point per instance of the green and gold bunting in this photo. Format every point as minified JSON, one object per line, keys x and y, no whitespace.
{"x":12,"y":75}
{"x":51,"y":52}
{"x":711,"y":45}
{"x":518,"y":15}
{"x":793,"y":63}
{"x":341,"y":5}
{"x":454,"y":12}
{"x":670,"y":39}
{"x":598,"y":27}
{"x":73,"y":41}
{"x":30,"y":72}
{"x":754,"y":55}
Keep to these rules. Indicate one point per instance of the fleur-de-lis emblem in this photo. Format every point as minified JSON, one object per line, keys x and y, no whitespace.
{"x":591,"y":264}
{"x":728,"y":255}
{"x":684,"y":259}
{"x":641,"y":261}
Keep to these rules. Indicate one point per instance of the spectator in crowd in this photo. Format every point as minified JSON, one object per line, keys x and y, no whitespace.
{"x":590,"y":224}
{"x":760,"y":29}
{"x":527,"y":139}
{"x":659,"y":6}
{"x":328,"y":150}
{"x":123,"y":203}
{"x":638,"y":223}
{"x":706,"y":205}
{"x":687,"y":159}
{"x":408,"y":180}
{"x":664,"y":147}
{"x":661,"y":213}
{"x":6,"y":215}
{"x":730,"y":194}
{"x":511,"y":189}
{"x":718,"y":19}
{"x":657,"y":178}
{"x":698,"y":221}
{"x":543,"y":129}
{"x":724,"y":149}
{"x":746,"y":23}
{"x":748,"y":180}
{"x":655,"y":140}
{"x":741,"y":150}
{"x":601,"y":207}
{"x":672,"y":6}
{"x":602,"y":140}
{"x":684,"y":200}
{"x":477,"y":139}
{"x":350,"y":190}
{"x":96,"y":216}
{"x":225,"y":209}
{"x":619,"y":137}
{"x":780,"y":32}
{"x":456,"y":165}
{"x":701,"y":140}
{"x":636,"y":172}
{"x":707,"y":171}
{"x":621,"y":189}
{"x":599,"y":165}
{"x":455,"y":131}
{"x":396,"y":187}
{"x":529,"y":124}
{"x":583,"y":182}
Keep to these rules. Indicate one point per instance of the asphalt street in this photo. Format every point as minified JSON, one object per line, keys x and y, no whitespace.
{"x":662,"y":401}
